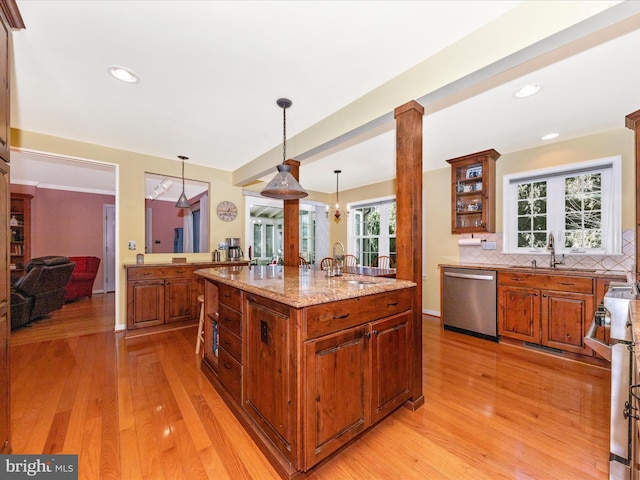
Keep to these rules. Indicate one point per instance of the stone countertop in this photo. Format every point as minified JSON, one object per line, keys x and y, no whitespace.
{"x":301,"y":287}
{"x":189,"y":264}
{"x":543,"y":270}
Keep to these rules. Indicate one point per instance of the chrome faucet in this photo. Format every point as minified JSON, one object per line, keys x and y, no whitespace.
{"x":551,"y":247}
{"x":338,"y":259}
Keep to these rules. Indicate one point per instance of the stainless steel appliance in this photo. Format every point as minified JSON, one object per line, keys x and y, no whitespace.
{"x":469,"y":301}
{"x":617,"y":346}
{"x":234,"y":252}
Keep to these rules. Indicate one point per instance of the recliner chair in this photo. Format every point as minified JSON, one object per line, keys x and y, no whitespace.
{"x":41,"y":290}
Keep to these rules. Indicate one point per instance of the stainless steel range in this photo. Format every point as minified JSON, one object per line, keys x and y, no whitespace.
{"x":617,"y":346}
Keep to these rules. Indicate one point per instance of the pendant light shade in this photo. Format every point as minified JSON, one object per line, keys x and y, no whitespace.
{"x":284,"y":185}
{"x":183,"y":201}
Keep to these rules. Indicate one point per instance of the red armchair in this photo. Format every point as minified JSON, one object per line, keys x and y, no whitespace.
{"x":81,"y":282}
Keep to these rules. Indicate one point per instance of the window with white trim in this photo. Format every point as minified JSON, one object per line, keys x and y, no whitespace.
{"x":579,"y":203}
{"x":374,"y":231}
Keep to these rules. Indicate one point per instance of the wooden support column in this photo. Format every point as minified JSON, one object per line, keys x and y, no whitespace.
{"x":409,"y":225}
{"x":632,"y":121}
{"x":291,"y":230}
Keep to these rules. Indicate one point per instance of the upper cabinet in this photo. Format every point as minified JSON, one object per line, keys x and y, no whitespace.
{"x":473,"y":192}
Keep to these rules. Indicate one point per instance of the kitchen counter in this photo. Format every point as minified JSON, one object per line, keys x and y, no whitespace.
{"x":542,"y":269}
{"x":301,"y":287}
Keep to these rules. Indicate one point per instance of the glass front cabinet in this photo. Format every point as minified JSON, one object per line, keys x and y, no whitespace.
{"x":473,"y":192}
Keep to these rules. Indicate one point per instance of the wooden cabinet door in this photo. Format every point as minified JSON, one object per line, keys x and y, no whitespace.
{"x":337,"y":392}
{"x":181,"y":299}
{"x":564,"y":319}
{"x":390,"y":364}
{"x":5,"y":324}
{"x":519,"y":313}
{"x":268,"y":373}
{"x":145,"y":303}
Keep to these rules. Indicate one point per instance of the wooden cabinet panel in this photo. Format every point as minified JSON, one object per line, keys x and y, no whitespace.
{"x":230,"y":319}
{"x":564,"y":320}
{"x":337,"y":402}
{"x":232,"y":297}
{"x":391,"y":363}
{"x":269,"y":378}
{"x":230,"y":372}
{"x":541,"y":281}
{"x":231,"y":343}
{"x":145,"y":303}
{"x":332,"y":317}
{"x":181,"y":299}
{"x":519,"y":313}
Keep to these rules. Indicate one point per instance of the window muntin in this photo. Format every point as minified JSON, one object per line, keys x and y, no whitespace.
{"x":374,"y":227}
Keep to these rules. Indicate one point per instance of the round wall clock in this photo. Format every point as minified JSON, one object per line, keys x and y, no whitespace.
{"x":227,"y":211}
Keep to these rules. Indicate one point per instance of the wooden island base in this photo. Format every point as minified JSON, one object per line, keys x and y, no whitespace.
{"x":308,"y":370}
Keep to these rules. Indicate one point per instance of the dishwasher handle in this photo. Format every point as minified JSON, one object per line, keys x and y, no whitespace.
{"x":469,"y":276}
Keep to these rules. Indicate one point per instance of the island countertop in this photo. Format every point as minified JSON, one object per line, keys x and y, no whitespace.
{"x":300,"y":287}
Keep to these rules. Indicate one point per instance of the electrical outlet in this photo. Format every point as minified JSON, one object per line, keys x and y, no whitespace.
{"x":132,"y":244}
{"x":489,"y":245}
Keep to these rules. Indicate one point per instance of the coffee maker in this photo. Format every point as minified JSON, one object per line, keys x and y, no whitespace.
{"x":234,"y":252}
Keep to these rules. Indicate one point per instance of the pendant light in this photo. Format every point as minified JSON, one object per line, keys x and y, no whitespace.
{"x":183,"y":202}
{"x":284,"y":185}
{"x":337,"y":212}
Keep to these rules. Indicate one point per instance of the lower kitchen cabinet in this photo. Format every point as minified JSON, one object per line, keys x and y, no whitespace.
{"x":163,"y":295}
{"x":549,"y":310}
{"x":310,"y":379}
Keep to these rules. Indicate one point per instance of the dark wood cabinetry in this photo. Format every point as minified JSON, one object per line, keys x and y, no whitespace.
{"x":308,"y":380}
{"x":549,"y":310}
{"x":9,"y":19}
{"x":162,"y":296}
{"x":473,"y":192}
{"x":20,"y":233}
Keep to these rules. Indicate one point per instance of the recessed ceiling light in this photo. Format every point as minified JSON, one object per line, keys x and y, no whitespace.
{"x":549,"y":136}
{"x":123,"y":74}
{"x":527,"y":90}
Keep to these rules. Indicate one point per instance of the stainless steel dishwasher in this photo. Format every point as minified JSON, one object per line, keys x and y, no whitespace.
{"x":469,"y":300}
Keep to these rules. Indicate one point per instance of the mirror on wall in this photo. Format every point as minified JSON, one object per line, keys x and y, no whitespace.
{"x":169,"y":229}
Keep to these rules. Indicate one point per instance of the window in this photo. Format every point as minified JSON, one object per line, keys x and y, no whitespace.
{"x":580,"y":204}
{"x":374,"y":230}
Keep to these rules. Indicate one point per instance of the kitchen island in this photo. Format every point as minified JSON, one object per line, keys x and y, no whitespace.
{"x":307,"y":362}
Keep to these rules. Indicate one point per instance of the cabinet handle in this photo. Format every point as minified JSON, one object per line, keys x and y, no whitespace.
{"x":375,"y":332}
{"x":570,"y":284}
{"x":544,"y":295}
{"x":228,"y":366}
{"x":144,"y":274}
{"x":252,"y":299}
{"x":340,"y":317}
{"x":226,"y":342}
{"x":535,"y":294}
{"x":367,"y":335}
{"x":392,"y":304}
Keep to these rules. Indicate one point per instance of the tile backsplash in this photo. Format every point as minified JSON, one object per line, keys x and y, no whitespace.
{"x":617,"y":263}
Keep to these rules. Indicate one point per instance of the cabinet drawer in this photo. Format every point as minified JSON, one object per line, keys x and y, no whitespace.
{"x":231,"y":343}
{"x":230,"y":319}
{"x":333,"y":317}
{"x":182,"y":271}
{"x":230,"y":374}
{"x":145,"y":273}
{"x":562,"y":283}
{"x":230,"y":296}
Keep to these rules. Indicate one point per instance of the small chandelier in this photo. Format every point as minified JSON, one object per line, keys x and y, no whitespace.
{"x":337,"y":212}
{"x":284,"y":185}
{"x":183,"y":202}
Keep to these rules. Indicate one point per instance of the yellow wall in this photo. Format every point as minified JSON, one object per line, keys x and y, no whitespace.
{"x":130,"y":198}
{"x":441,"y":245}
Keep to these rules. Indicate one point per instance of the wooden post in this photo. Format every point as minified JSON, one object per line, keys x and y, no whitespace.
{"x":291,"y":229}
{"x":409,"y":225}
{"x":632,"y":121}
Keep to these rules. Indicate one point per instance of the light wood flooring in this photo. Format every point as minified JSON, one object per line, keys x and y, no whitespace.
{"x":141,"y":409}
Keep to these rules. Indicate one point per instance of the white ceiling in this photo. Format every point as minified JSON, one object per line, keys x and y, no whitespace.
{"x":211,"y":72}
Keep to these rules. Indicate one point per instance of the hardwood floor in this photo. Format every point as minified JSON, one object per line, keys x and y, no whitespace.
{"x":141,"y":409}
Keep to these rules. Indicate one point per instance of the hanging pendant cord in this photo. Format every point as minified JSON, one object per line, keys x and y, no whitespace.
{"x":337,"y":191}
{"x":284,"y":134}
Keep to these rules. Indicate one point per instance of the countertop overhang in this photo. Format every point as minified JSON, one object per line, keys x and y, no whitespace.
{"x":300,"y":287}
